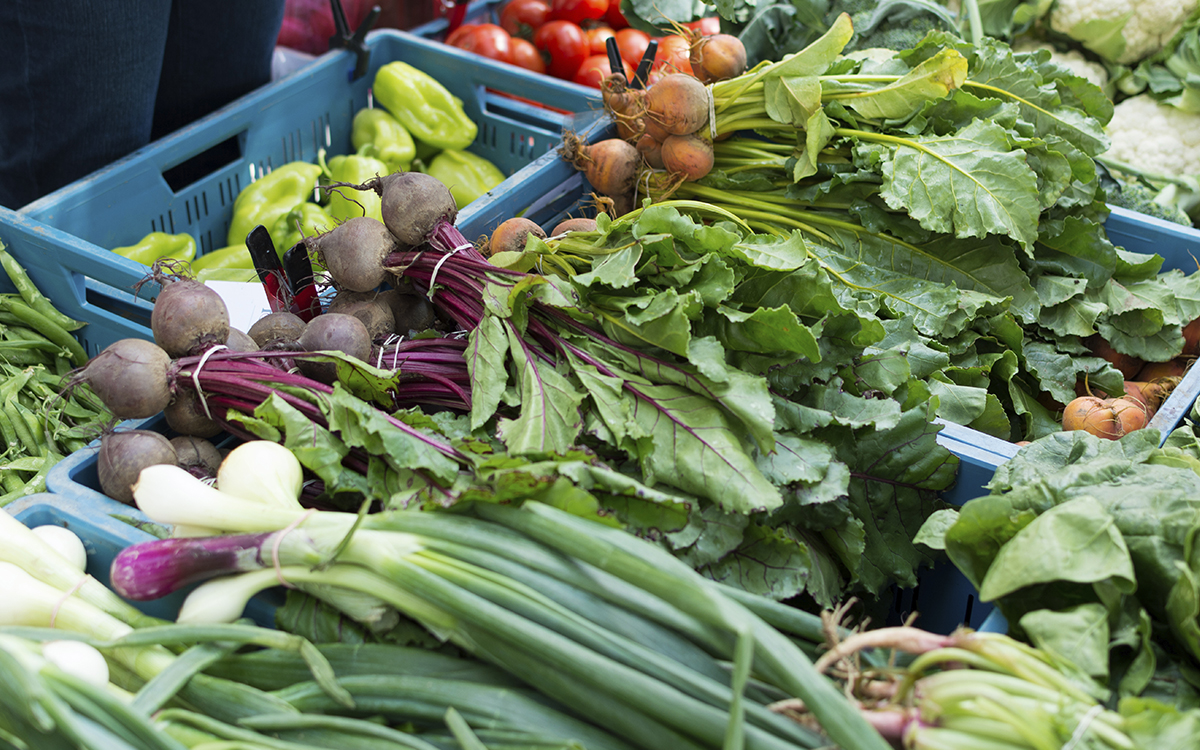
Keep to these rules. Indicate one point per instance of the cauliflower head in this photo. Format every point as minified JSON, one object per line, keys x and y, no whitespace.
{"x":1122,"y":31}
{"x":1155,"y":137}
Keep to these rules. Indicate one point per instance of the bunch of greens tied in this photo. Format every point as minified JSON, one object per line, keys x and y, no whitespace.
{"x":953,"y":186}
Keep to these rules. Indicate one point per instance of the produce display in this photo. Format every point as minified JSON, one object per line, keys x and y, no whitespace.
{"x":658,"y":471}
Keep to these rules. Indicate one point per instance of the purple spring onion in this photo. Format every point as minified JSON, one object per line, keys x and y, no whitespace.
{"x":153,"y":569}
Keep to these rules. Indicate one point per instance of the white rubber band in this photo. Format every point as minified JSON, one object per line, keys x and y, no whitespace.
{"x":278,"y":539}
{"x":63,"y":600}
{"x":1082,"y":728}
{"x":438,"y":267}
{"x":712,"y":113}
{"x":196,"y":377}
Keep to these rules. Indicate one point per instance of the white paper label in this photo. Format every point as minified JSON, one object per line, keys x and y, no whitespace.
{"x":247,"y":302}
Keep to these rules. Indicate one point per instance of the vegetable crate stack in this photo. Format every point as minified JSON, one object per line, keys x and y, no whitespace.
{"x":276,"y":143}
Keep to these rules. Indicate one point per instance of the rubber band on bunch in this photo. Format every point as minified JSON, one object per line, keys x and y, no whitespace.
{"x":58,"y":605}
{"x":196,"y":377}
{"x":278,"y":539}
{"x":437,"y":267}
{"x":1082,"y":728}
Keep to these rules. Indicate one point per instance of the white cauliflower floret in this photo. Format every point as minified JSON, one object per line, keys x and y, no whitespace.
{"x":1072,"y":59}
{"x":1155,"y":137}
{"x":1123,"y":31}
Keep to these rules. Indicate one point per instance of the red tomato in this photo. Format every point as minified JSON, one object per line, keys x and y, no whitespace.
{"x":595,"y":69}
{"x":459,"y":33}
{"x":525,"y":55}
{"x":597,"y":40}
{"x":632,"y":44}
{"x":706,"y":26}
{"x":566,"y":46}
{"x":488,"y":40}
{"x":674,"y":54}
{"x":578,"y":11}
{"x":522,"y":17}
{"x":614,"y":16}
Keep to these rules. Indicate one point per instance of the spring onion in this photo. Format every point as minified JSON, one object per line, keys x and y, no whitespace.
{"x":573,"y":646}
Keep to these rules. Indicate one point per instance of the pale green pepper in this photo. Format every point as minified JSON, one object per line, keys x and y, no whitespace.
{"x":271,"y":196}
{"x":376,"y":133}
{"x":306,"y":220}
{"x":234,"y":256}
{"x":466,"y":174}
{"x":423,"y":106}
{"x":346,"y":203}
{"x":159,"y":245}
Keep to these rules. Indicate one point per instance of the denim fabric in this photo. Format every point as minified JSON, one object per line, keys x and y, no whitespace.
{"x":85,"y":82}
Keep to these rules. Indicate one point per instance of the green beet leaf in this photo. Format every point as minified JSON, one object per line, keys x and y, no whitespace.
{"x":969,"y":184}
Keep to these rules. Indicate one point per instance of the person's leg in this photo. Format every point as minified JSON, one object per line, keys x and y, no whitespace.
{"x":217,"y":50}
{"x":78,"y":80}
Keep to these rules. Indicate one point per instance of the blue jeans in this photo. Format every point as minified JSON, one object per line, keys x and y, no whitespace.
{"x":86,"y":82}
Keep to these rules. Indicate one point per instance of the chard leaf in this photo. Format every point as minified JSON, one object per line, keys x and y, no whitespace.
{"x":710,"y":535}
{"x":933,"y":79}
{"x":884,"y":371}
{"x":796,"y":459}
{"x":969,"y":184}
{"x":851,"y":410}
{"x":778,"y":564}
{"x":1054,"y":290}
{"x":549,"y":419}
{"x":1075,"y":247}
{"x":996,"y":71}
{"x":818,"y":132}
{"x":1186,"y":289}
{"x":487,"y":351}
{"x":1154,"y":301}
{"x":361,"y":426}
{"x":1058,"y":372}
{"x":892,"y":510}
{"x":764,"y":330}
{"x":792,"y":100}
{"x":959,"y":404}
{"x":919,"y":281}
{"x":1075,"y":317}
{"x":1158,"y":347}
{"x":615,"y":270}
{"x":661,"y":319}
{"x":691,"y":446}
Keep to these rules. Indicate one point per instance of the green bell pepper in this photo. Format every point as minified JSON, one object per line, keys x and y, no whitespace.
{"x":243,"y":275}
{"x":158,"y":245}
{"x":345,"y":203}
{"x":376,"y":133}
{"x":305,"y":220}
{"x":270,"y":197}
{"x":234,"y":256}
{"x":423,"y":106}
{"x":467,"y":175}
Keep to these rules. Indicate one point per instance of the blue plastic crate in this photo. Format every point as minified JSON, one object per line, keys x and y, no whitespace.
{"x":36,"y":248}
{"x":288,"y":120}
{"x":104,"y":537}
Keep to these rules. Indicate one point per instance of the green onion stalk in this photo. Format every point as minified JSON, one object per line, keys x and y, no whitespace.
{"x":610,"y":626}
